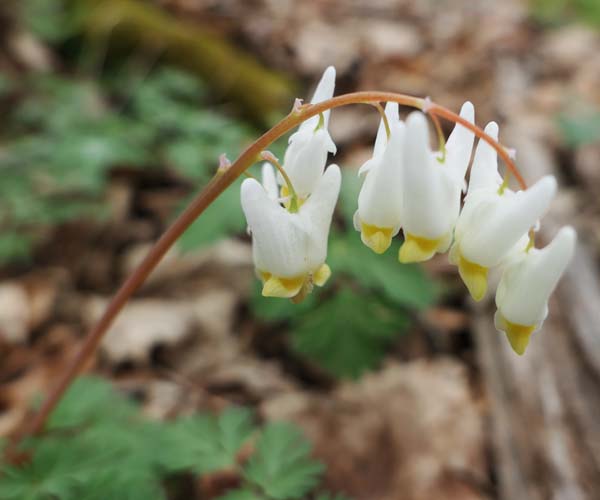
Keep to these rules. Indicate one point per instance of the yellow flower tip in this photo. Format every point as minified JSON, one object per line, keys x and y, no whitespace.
{"x":321,"y":275}
{"x":474,"y":276}
{"x":417,"y":249}
{"x":283,"y":287}
{"x":376,"y":238}
{"x":518,"y":336}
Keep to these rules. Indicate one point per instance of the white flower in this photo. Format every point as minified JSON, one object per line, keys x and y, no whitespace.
{"x":306,"y":155}
{"x":269,"y":181}
{"x":494,"y":219}
{"x":526,"y":285}
{"x":380,"y":198}
{"x":431,"y":188}
{"x":289,"y":249}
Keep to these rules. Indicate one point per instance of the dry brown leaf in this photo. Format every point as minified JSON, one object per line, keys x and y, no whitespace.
{"x":412,"y":431}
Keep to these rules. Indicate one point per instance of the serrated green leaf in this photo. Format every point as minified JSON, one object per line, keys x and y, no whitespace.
{"x":282,"y":466}
{"x":205,"y":443}
{"x":348,"y":333}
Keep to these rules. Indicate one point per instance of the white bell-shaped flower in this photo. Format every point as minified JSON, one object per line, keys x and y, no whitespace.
{"x":306,"y":154}
{"x":494,"y":218}
{"x":289,"y":249}
{"x":431,"y":186}
{"x":526,"y":285}
{"x":380,"y":197}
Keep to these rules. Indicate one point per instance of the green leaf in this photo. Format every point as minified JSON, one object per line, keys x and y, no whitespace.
{"x":242,"y":494}
{"x":223,"y":218}
{"x":404,"y":284}
{"x":205,"y":443}
{"x":90,"y":399}
{"x":347,"y":334}
{"x":282,"y":466}
{"x":96,"y":447}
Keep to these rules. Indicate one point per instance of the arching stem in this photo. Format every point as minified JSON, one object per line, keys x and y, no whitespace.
{"x":210,"y":192}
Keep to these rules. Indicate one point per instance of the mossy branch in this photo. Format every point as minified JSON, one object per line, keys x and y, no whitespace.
{"x":234,"y":74}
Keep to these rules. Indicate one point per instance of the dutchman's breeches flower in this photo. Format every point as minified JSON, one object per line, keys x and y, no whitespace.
{"x":290,"y":249}
{"x":431,"y":187}
{"x":526,"y":285}
{"x":306,"y":155}
{"x":410,"y":187}
{"x":494,"y":219}
{"x":380,"y":198}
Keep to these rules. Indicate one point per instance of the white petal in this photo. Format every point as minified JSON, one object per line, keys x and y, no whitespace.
{"x":305,"y":159}
{"x":460,"y":143}
{"x":380,"y":197}
{"x":392,"y":114}
{"x":324,"y":91}
{"x":279,"y":241}
{"x":269,"y":181}
{"x":431,"y":191}
{"x":526,"y":285}
{"x":484,"y":172}
{"x":316,"y":214}
{"x":501,"y":221}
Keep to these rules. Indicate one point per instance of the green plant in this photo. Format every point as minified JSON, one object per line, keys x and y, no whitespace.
{"x":65,"y":137}
{"x":98,"y":446}
{"x":561,"y":11}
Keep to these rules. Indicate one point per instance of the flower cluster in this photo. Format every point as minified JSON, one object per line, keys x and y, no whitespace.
{"x":409,"y":187}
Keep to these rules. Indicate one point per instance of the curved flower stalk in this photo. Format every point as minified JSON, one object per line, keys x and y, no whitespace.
{"x":290,"y":249}
{"x":431,"y":186}
{"x":306,"y":154}
{"x":494,"y":220}
{"x":526,"y":285}
{"x":380,"y":199}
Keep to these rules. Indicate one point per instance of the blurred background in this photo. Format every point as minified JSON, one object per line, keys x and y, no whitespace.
{"x":114,"y":113}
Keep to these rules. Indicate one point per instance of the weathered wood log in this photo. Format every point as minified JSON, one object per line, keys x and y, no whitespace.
{"x":232,"y":73}
{"x":545,"y":406}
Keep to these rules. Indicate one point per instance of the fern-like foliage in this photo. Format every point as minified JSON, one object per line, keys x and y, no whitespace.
{"x":97,"y":446}
{"x":65,"y":137}
{"x":282,"y":467}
